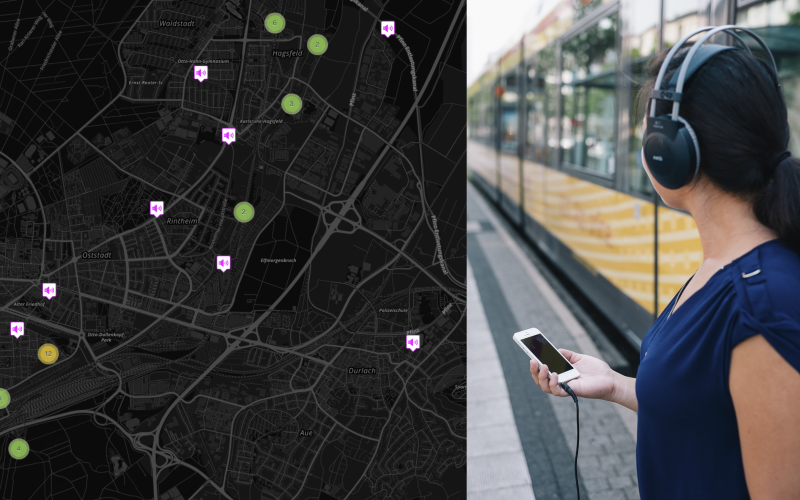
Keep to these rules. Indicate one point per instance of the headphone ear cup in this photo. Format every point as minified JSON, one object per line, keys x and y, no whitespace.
{"x":692,"y":142}
{"x":671,"y":151}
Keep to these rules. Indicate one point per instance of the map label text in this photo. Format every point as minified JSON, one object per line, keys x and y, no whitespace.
{"x":362,"y":370}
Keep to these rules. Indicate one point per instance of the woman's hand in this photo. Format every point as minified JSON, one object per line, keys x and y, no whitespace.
{"x":597,"y":379}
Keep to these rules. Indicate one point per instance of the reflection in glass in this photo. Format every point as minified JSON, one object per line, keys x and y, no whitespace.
{"x":583,"y":7}
{"x":481,"y":119}
{"x":777,"y":22}
{"x":509,"y":120}
{"x":588,"y":97}
{"x":638,"y":48}
{"x":681,"y":18}
{"x":541,"y":106}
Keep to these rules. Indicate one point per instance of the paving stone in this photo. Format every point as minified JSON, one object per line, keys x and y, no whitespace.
{"x":632,"y":493}
{"x":620,"y":482}
{"x":597,"y":484}
{"x":486,"y":388}
{"x":494,"y":439}
{"x":493,"y":472}
{"x":512,"y":493}
{"x":489,"y":413}
{"x":607,"y":495}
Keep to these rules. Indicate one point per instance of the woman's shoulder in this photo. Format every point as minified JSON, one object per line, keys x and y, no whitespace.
{"x":765,"y":284}
{"x":768,"y":282}
{"x":781,"y":268}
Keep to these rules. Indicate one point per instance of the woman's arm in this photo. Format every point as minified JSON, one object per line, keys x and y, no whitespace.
{"x":625,"y":392}
{"x":766,"y":395}
{"x":597,"y":381}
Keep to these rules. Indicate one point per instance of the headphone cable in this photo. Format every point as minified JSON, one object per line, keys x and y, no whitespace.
{"x":569,"y":391}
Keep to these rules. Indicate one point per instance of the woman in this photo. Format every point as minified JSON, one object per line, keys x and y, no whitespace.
{"x":718,"y":387}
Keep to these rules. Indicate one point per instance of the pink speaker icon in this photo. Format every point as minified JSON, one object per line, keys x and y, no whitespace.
{"x":17,"y":328}
{"x":229,"y":135}
{"x":156,"y":208}
{"x":48,"y":290}
{"x":223,"y":262}
{"x":200,"y":73}
{"x":387,"y":28}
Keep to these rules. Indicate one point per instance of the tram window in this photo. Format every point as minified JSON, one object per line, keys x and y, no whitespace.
{"x":472,"y":116}
{"x":542,"y":128}
{"x":509,"y":118}
{"x":777,"y":22}
{"x":588,"y":97}
{"x":681,"y":17}
{"x":638,"y":49}
{"x":482,"y":116}
{"x":584,"y":7}
{"x":639,"y":182}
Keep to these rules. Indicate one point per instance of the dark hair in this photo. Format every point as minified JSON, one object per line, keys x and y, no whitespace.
{"x":740,"y":119}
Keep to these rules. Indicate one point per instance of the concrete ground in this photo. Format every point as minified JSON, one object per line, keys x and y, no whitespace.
{"x":520,"y":441}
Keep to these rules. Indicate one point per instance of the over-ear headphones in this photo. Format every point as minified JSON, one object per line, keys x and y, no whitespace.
{"x":670,"y":144}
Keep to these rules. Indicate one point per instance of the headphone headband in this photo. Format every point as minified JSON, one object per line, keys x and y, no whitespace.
{"x":682,"y":75}
{"x":670,"y":145}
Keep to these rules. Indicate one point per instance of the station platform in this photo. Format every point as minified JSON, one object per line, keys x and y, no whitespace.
{"x":520,"y":441}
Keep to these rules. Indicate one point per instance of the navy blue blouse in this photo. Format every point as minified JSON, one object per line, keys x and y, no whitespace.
{"x":688,"y":440}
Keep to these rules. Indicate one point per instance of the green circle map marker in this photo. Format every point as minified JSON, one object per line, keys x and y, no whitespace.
{"x":317,"y":44}
{"x":292,"y":104}
{"x":5,"y":398}
{"x":274,"y":23}
{"x":244,"y":211}
{"x":19,"y":449}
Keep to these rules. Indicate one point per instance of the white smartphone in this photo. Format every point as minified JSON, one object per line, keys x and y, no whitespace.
{"x":538,"y":348}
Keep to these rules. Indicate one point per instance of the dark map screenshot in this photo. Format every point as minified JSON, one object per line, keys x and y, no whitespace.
{"x":232,"y":249}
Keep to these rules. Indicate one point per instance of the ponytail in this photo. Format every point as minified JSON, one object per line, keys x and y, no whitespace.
{"x":778,"y":204}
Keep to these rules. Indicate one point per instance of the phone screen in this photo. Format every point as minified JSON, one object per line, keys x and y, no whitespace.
{"x":547,"y":354}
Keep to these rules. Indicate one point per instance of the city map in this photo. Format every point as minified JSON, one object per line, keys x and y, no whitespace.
{"x":233,"y":249}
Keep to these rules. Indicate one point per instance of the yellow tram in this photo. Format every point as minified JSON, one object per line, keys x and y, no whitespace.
{"x":554,"y":139}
